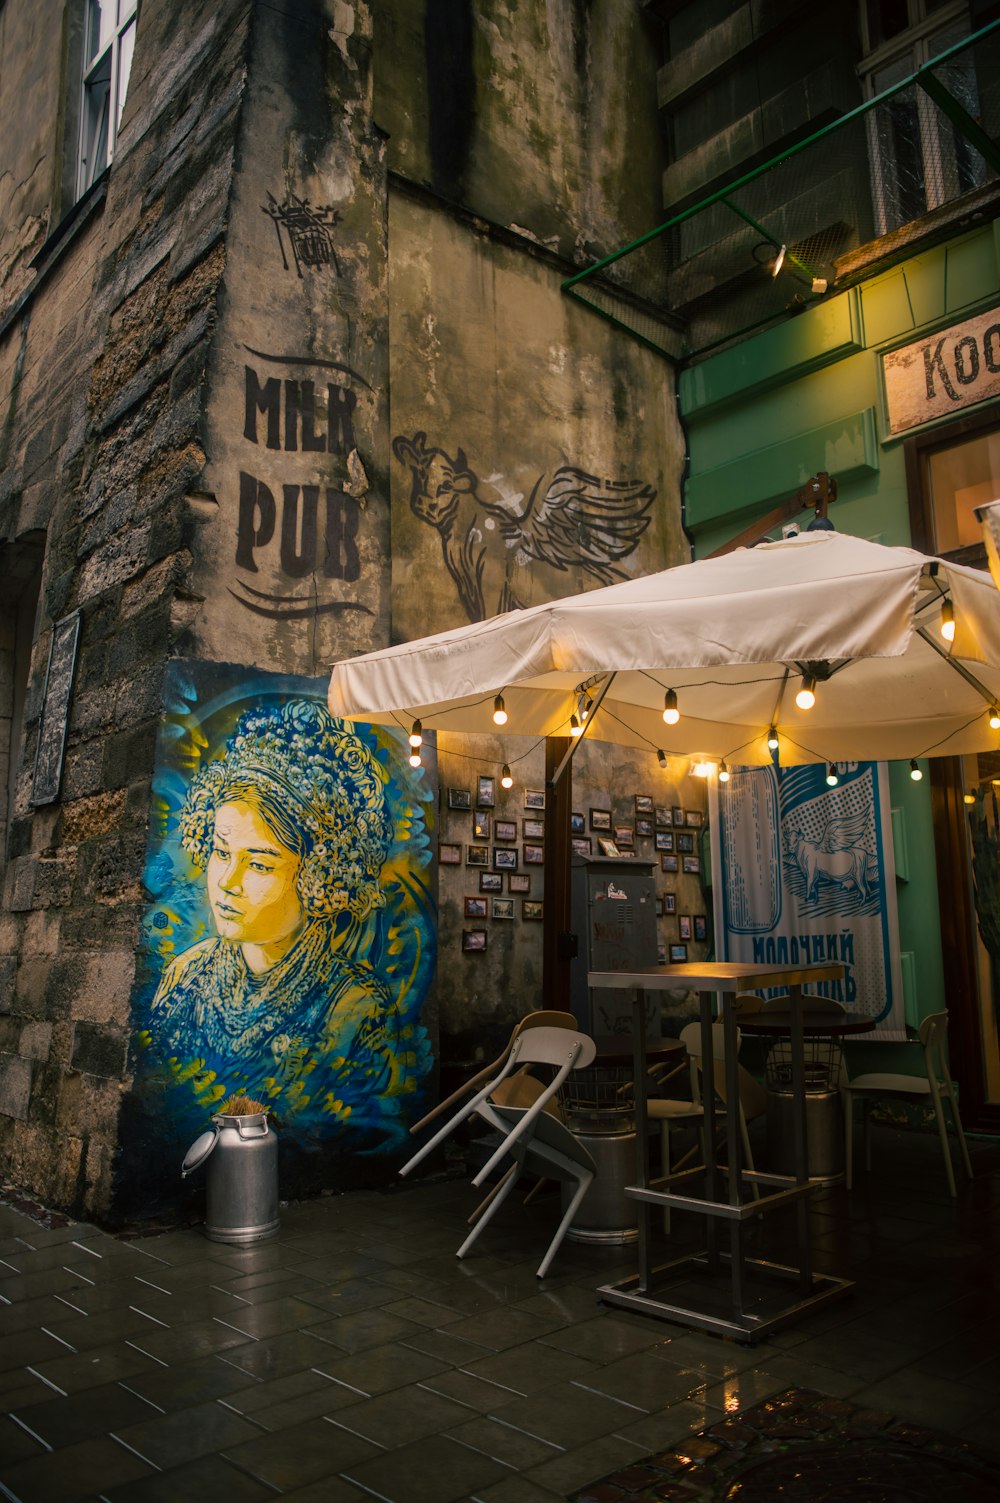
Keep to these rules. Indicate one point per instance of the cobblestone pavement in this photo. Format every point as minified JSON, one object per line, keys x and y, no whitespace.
{"x":352,"y":1357}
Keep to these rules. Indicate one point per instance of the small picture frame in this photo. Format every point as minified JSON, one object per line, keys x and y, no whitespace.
{"x":517,"y":881}
{"x":504,"y":859}
{"x":477,"y":855}
{"x":685,"y":842}
{"x":669,"y":903}
{"x":486,"y":792}
{"x":678,"y":954}
{"x":694,"y":819}
{"x":534,"y":855}
{"x":459,"y":798}
{"x":669,"y":863}
{"x":581,"y":845}
{"x":505,"y":830}
{"x":473,"y":941}
{"x":691,"y":865}
{"x":658,"y":906}
{"x":534,"y":798}
{"x":577,"y":823}
{"x":625,"y":835}
{"x":607,"y":846}
{"x":475,"y":907}
{"x":683,"y":926}
{"x":531,"y":911}
{"x":644,"y":827}
{"x":600,"y":819}
{"x":678,"y":816}
{"x":663,"y":819}
{"x":449,"y":854}
{"x":491,"y":882}
{"x":503,"y":908}
{"x":533,"y":829}
{"x":663,"y":840}
{"x":482,"y":823}
{"x":643,"y":803}
{"x":661,"y":953}
{"x":700,"y":922}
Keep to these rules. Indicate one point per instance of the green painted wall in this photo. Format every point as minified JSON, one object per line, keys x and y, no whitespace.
{"x":766,"y":414}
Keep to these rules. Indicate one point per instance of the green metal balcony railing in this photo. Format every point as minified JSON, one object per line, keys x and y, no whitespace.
{"x":784,"y":234}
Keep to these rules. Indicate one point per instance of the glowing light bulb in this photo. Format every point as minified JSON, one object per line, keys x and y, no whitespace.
{"x":701,"y":768}
{"x":948,"y":622}
{"x":832,"y":777}
{"x":499,"y":713}
{"x":806,"y":697}
{"x":671,"y":714}
{"x":661,"y":757}
{"x":415,"y":758}
{"x":772,"y":739}
{"x":416,"y":734}
{"x":506,"y":781}
{"x":968,"y":798}
{"x":915,"y":772}
{"x":723,"y":772}
{"x":995,"y":718}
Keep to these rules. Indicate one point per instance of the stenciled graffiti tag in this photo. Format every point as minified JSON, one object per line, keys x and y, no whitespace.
{"x":307,"y":230}
{"x":577,"y":521}
{"x":313,"y":528}
{"x":289,"y":943}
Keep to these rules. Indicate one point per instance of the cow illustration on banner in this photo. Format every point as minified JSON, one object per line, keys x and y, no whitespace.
{"x":804,"y":874}
{"x":289,"y":942}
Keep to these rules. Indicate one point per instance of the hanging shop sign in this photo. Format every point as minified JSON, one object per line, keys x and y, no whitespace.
{"x":944,"y":373}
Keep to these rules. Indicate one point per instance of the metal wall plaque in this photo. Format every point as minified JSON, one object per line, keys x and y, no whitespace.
{"x":943,"y":373}
{"x":55,"y":710}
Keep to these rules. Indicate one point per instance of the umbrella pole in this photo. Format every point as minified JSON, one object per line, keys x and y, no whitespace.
{"x":557,"y":941}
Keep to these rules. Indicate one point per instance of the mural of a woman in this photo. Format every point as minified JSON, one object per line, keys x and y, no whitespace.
{"x":290,"y":828}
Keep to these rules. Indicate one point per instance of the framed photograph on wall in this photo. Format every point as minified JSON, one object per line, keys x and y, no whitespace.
{"x":663,"y":840}
{"x":644,"y":827}
{"x":663,"y":819}
{"x":691,"y":865}
{"x":669,"y":863}
{"x":449,"y":855}
{"x":533,"y":829}
{"x":580,"y":845}
{"x":678,"y":954}
{"x":661,"y":953}
{"x":486,"y":792}
{"x":669,"y":902}
{"x":677,"y":815}
{"x":481,"y":824}
{"x":694,"y":818}
{"x":577,"y":823}
{"x":606,"y":846}
{"x":534,"y":855}
{"x":643,"y":803}
{"x":477,"y":855}
{"x":683,"y":926}
{"x":475,"y":907}
{"x":534,"y":798}
{"x":700,"y":926}
{"x":504,"y":859}
{"x":491,"y":881}
{"x":624,"y":835}
{"x":473,"y":940}
{"x":685,"y":842}
{"x":505,"y":830}
{"x":459,"y":798}
{"x":600,"y":819}
{"x":503,"y":908}
{"x":531,"y":911}
{"x":658,"y":907}
{"x":518,"y":881}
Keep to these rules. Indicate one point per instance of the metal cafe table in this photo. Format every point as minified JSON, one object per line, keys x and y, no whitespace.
{"x":726,"y":1291}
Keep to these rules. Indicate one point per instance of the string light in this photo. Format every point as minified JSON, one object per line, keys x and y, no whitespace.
{"x":584,"y":705}
{"x":968,"y":798}
{"x":416,"y":734}
{"x":415,"y":757}
{"x":832,"y":777}
{"x":499,"y":713}
{"x":806,"y":697}
{"x":772,"y":738}
{"x":723,"y":772}
{"x":661,"y":757}
{"x":994,"y":718}
{"x":575,"y":728}
{"x":915,"y":772}
{"x":506,"y":781}
{"x":671,"y":714}
{"x":948,"y":622}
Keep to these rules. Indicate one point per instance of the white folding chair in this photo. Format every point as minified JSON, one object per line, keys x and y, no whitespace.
{"x":932,"y":1035}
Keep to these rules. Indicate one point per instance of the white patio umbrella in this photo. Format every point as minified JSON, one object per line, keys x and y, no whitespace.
{"x":733,"y":638}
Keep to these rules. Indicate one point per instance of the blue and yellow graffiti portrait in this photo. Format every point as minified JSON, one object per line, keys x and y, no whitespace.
{"x":289,"y":945}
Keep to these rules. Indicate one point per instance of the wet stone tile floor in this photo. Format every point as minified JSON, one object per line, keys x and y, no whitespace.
{"x":352,"y":1356}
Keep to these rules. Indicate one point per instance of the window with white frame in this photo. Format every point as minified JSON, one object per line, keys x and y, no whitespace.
{"x":920,"y":159}
{"x":108,"y":46}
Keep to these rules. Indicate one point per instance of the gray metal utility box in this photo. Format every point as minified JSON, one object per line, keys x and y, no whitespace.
{"x":613,"y":907}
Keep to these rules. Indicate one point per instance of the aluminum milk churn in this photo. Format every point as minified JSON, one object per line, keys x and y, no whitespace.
{"x":242,"y":1170}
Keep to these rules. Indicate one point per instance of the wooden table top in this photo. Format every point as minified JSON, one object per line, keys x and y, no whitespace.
{"x":716,"y":976}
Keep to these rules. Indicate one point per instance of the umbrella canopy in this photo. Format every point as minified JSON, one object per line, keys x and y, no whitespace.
{"x":733,"y":638}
